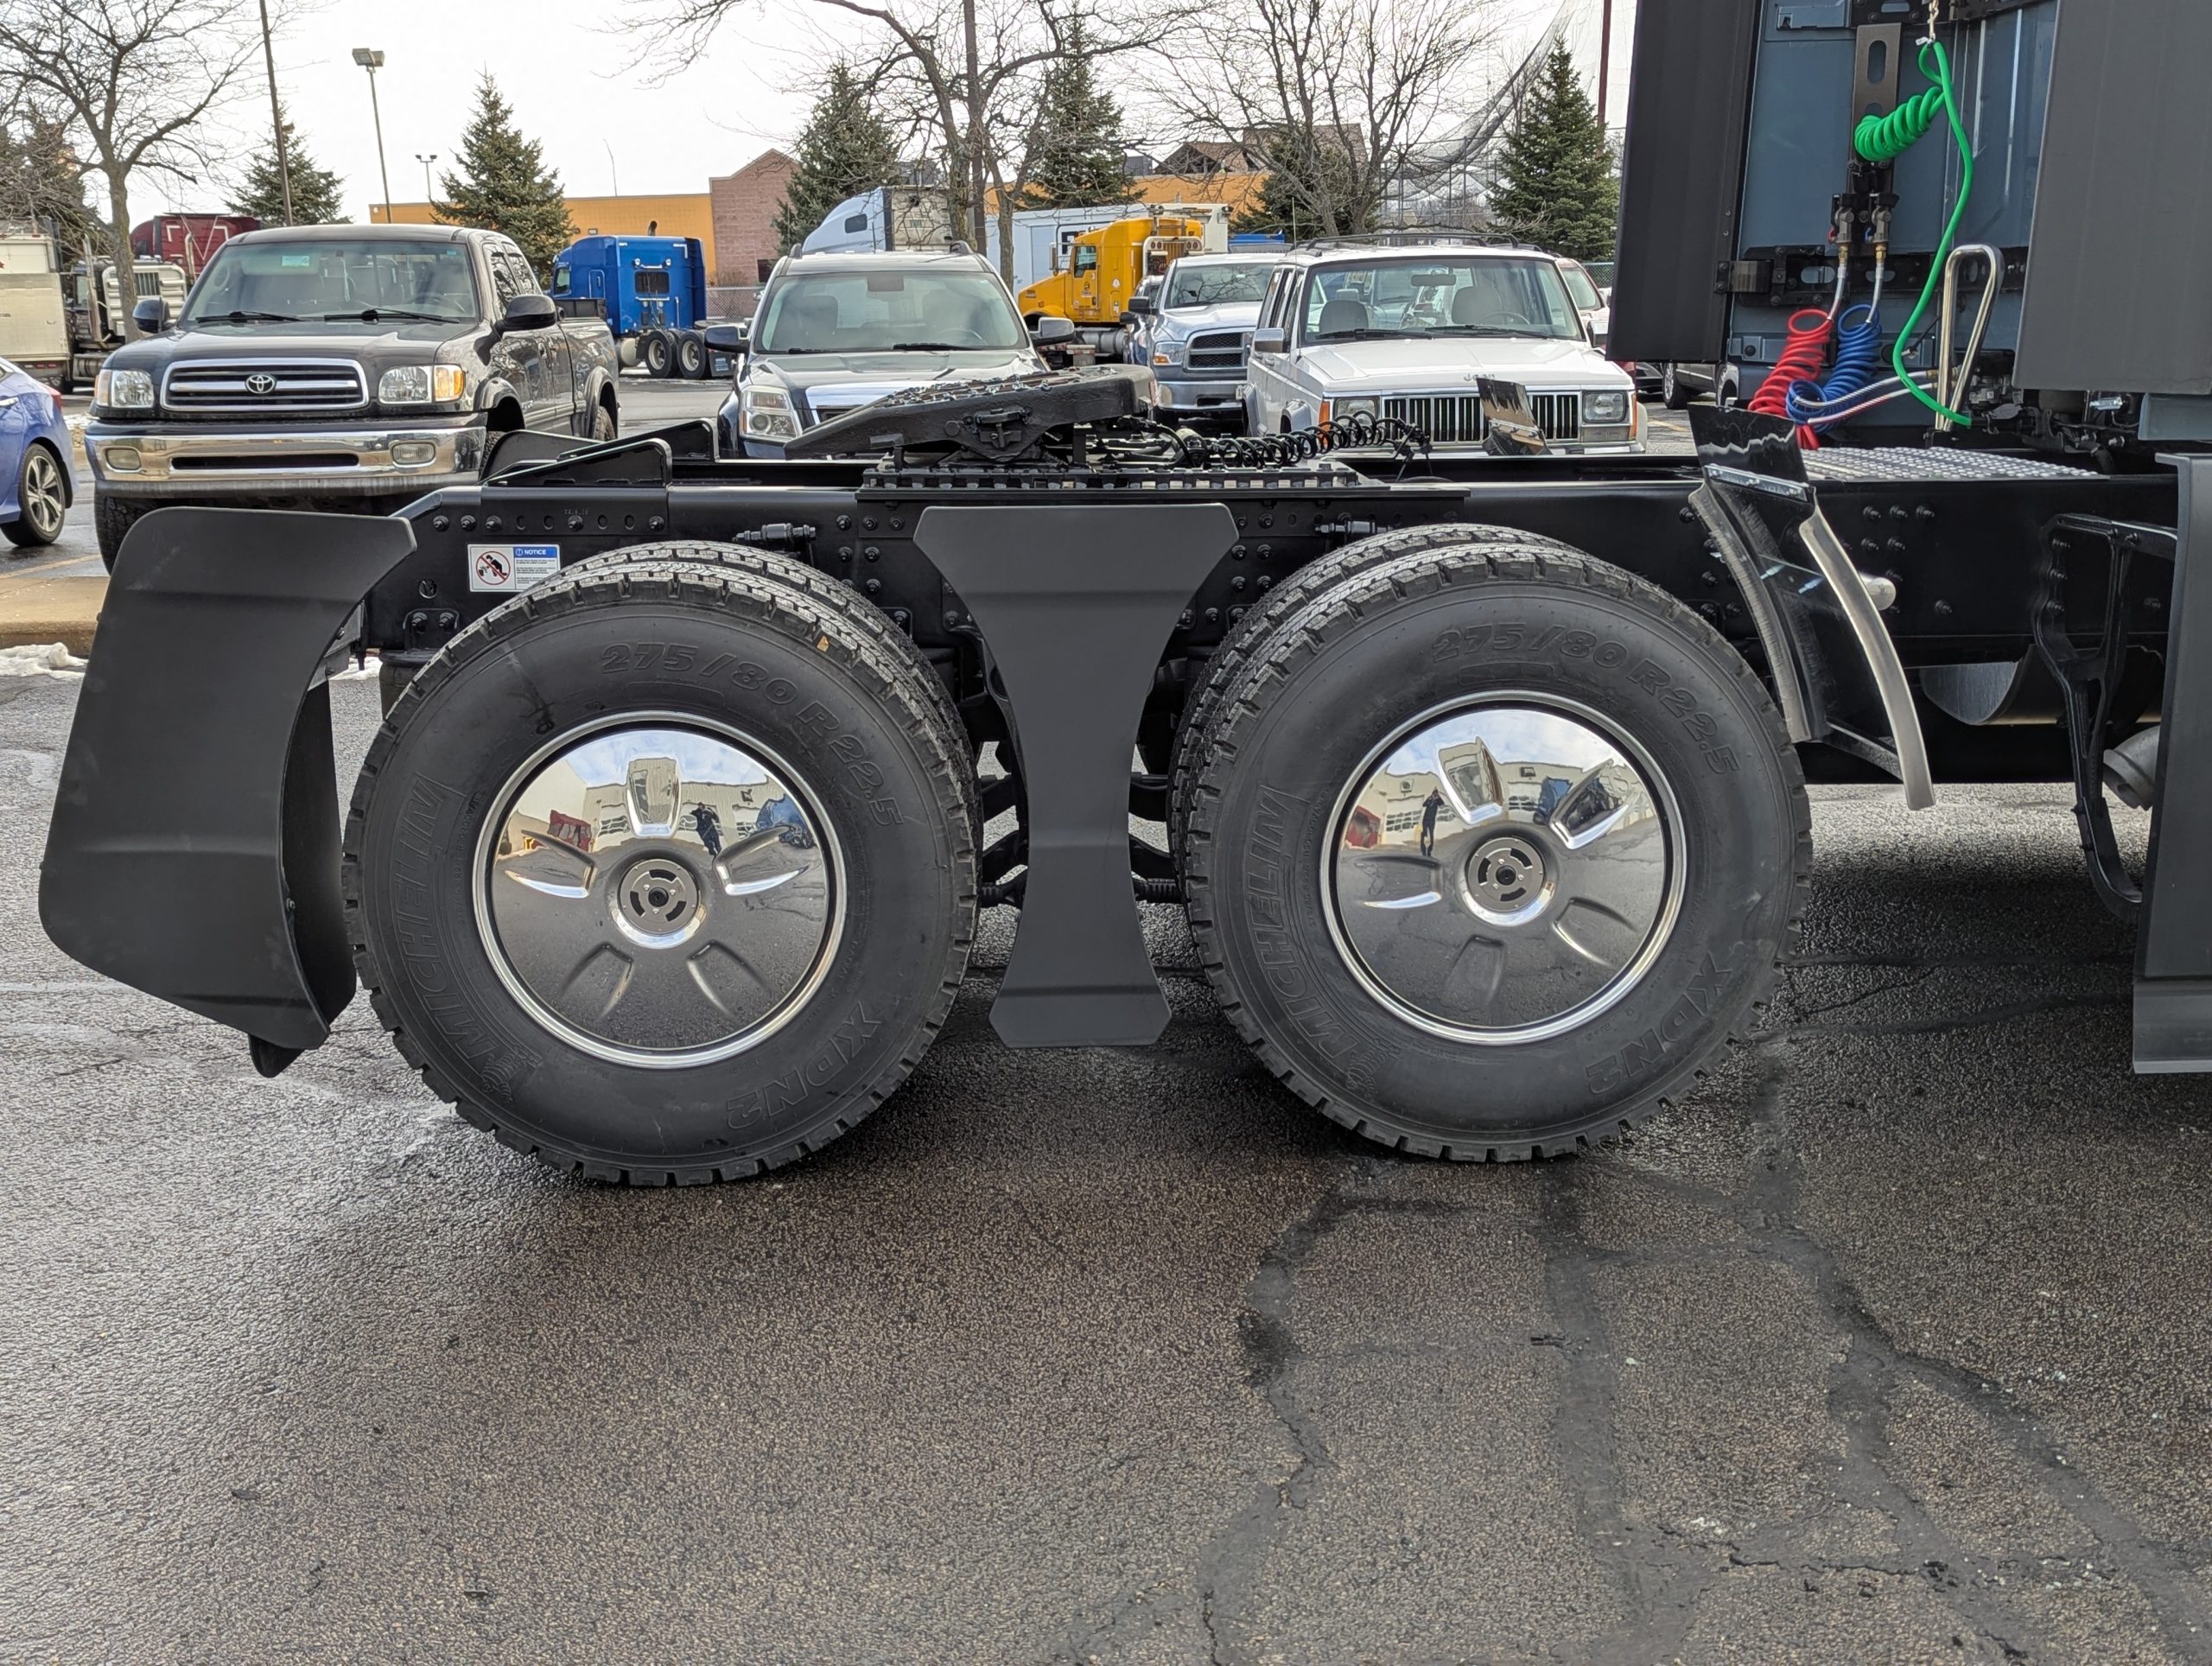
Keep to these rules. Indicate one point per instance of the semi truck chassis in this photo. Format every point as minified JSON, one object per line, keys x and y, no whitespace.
{"x":1483,"y":781}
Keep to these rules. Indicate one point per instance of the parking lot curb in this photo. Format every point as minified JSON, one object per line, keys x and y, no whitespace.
{"x":37,"y":610}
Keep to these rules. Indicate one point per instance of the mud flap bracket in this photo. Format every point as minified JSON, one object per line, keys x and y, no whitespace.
{"x":1076,"y":603}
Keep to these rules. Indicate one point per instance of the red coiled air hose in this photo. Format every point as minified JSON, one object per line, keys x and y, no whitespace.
{"x":1802,"y":360}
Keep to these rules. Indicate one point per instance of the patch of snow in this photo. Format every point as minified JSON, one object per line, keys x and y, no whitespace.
{"x":39,"y":659}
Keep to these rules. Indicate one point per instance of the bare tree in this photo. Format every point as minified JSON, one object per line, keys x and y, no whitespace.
{"x":965,"y":74}
{"x":134,"y":79}
{"x":1344,"y":97}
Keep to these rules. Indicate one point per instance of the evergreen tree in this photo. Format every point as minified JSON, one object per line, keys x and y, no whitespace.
{"x":504,"y":185}
{"x":315,"y":190}
{"x":1556,"y":186}
{"x":1301,"y":177}
{"x":1076,"y":162}
{"x":845,"y":148}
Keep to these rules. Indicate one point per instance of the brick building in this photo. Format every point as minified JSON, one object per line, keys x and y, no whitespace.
{"x":734,"y":218}
{"x":744,"y":208}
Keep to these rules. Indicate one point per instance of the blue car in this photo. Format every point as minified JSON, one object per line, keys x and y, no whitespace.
{"x":36,"y":488}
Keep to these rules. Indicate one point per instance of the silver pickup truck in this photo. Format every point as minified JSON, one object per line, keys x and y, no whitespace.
{"x":339,"y":367}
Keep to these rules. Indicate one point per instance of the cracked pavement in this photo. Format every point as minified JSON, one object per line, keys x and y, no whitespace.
{"x":1891,"y":1345}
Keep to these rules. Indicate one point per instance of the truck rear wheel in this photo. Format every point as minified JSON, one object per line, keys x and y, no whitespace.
{"x":655,"y":352}
{"x":692,"y":356}
{"x":584,"y":965}
{"x":1492,"y":849}
{"x":1244,"y":643}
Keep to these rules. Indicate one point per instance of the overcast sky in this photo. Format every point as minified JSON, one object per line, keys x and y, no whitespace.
{"x":564,"y":66}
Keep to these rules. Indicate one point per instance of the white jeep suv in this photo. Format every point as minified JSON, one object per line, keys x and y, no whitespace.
{"x":1409,"y":332}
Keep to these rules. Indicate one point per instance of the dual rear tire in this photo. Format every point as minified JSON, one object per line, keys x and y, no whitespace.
{"x":1487,"y":846}
{"x":587,"y":965}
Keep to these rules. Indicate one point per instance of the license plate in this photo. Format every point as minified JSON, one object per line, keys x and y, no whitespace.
{"x":506,"y":567}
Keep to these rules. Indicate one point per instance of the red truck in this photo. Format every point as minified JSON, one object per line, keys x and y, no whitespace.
{"x":188,"y":240}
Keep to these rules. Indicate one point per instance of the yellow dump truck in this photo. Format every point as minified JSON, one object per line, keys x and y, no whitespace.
{"x":1092,"y":282}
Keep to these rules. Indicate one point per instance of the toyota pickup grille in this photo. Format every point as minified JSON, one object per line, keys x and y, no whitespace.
{"x":1218,"y":352}
{"x":1457,"y":418}
{"x":301,"y":384}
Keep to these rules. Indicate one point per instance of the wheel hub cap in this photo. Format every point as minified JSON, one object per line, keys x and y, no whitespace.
{"x":1502,"y":871}
{"x":658,"y":894}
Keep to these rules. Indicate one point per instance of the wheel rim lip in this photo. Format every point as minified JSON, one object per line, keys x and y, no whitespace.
{"x":1616,"y":988}
{"x":41,"y":504}
{"x":793,"y":1003}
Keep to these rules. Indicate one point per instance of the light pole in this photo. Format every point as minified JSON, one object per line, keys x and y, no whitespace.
{"x":277,"y":113}
{"x":429,"y":196}
{"x":373,"y":61}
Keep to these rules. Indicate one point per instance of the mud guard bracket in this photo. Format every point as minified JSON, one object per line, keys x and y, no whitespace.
{"x":1837,"y":672}
{"x":1075,"y":607}
{"x":193,"y":851}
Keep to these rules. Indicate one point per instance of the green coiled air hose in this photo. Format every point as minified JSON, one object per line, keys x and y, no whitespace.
{"x":1884,"y":138}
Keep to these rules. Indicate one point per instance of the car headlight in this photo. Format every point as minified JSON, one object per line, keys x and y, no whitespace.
{"x":124,"y":389}
{"x":767,"y":414}
{"x":1601,"y":407}
{"x":1340,"y":408}
{"x":419,"y":385}
{"x":1168,"y":352}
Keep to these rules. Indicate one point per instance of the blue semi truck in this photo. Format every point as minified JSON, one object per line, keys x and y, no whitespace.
{"x":652,"y":292}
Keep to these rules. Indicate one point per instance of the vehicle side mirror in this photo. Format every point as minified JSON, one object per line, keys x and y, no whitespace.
{"x":1270,"y":341}
{"x":152,"y":314}
{"x":1143,"y":305}
{"x":727,"y":338}
{"x":530,"y":312}
{"x":1047,"y":332}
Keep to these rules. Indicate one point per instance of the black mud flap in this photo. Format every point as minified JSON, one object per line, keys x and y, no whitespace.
{"x":193,"y":853}
{"x":1837,"y":675}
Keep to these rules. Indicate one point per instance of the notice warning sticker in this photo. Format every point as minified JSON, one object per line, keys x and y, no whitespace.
{"x":508,"y":567}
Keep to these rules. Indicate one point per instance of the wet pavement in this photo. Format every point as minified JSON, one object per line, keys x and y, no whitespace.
{"x":1892,"y":1345}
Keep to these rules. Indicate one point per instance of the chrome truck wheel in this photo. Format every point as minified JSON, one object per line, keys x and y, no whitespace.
{"x":593,"y":968}
{"x":1490,"y":849}
{"x":1503,"y":872}
{"x":658,"y":894}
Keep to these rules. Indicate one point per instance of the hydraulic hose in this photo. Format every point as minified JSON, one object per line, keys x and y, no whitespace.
{"x":1858,"y":356}
{"x":1802,"y":356}
{"x":1884,"y":138}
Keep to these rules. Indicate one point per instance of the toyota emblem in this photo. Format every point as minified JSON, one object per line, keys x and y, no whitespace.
{"x":261,"y":382}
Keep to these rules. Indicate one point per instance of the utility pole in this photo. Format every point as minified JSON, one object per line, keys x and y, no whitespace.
{"x":1604,"y":57}
{"x":277,"y":113}
{"x":371,"y":60}
{"x":613,"y":173}
{"x":429,"y":196}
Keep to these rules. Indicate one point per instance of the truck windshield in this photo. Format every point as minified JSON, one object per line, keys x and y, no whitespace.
{"x":887,"y":312}
{"x":334,"y":279}
{"x":1217,"y":286}
{"x":1478,"y":295}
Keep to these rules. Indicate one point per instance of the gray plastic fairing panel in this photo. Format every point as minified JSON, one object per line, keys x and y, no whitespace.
{"x":194,"y":850}
{"x":1689,"y":91}
{"x":2173,"y":947}
{"x":2123,"y":216}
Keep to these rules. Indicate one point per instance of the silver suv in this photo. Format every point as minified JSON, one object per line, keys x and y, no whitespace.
{"x":1192,"y":330}
{"x":1410,"y":332}
{"x":834,"y":331}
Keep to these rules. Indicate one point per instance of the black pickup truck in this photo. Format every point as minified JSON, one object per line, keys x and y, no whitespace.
{"x":340,"y":367}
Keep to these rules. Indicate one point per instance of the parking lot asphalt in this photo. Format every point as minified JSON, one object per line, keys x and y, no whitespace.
{"x":1891,"y":1345}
